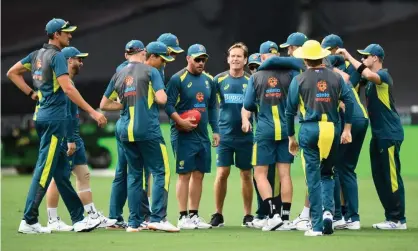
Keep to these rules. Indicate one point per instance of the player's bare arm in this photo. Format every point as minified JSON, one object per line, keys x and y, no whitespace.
{"x":110,"y":105}
{"x":15,"y":74}
{"x":75,"y":96}
{"x":367,"y":73}
{"x":161,"y":97}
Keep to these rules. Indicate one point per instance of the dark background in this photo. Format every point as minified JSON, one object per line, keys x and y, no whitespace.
{"x":105,"y":27}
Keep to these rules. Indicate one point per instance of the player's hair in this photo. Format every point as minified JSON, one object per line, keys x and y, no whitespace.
{"x":51,"y":36}
{"x":313,"y":63}
{"x":240,"y":45}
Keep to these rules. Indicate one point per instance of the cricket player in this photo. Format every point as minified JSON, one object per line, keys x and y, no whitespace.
{"x":119,"y":192}
{"x":346,"y":214}
{"x":387,"y":135}
{"x":230,"y":88}
{"x":48,"y":68}
{"x":73,"y":145}
{"x":140,"y":88}
{"x":317,"y":92}
{"x":294,"y":41}
{"x":254,"y":61}
{"x":267,"y":90}
{"x":192,"y":88}
{"x":173,"y":45}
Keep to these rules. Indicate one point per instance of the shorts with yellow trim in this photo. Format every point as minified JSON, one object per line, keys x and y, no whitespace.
{"x":193,"y":155}
{"x":239,"y":148}
{"x":266,"y":152}
{"x":52,"y":162}
{"x":147,"y":155}
{"x":79,"y":156}
{"x":386,"y":171}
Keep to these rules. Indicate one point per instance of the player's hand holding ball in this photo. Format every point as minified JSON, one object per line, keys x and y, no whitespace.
{"x":189,"y":120}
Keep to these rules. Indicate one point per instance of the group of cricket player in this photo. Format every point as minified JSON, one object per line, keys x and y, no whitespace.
{"x":250,"y":109}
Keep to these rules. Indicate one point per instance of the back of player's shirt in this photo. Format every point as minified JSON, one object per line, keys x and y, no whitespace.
{"x":270,"y":88}
{"x":135,"y":86}
{"x":46,"y":65}
{"x":230,"y":91}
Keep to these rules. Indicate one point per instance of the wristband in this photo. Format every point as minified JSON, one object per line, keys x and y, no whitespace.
{"x":30,"y":93}
{"x":361,"y":68}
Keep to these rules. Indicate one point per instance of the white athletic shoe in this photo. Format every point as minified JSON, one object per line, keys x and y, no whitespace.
{"x":86,"y":225}
{"x":312,"y":233}
{"x":105,"y":222}
{"x":339,"y":224}
{"x":58,"y":225}
{"x":390,"y":225}
{"x":259,"y":223}
{"x":287,"y":226}
{"x":163,"y":225}
{"x":186,"y":223}
{"x":273,"y":223}
{"x":200,"y":222}
{"x":133,"y":229}
{"x":302,"y":223}
{"x":36,"y":228}
{"x":353,"y":225}
{"x":328,"y":227}
{"x":144,"y":225}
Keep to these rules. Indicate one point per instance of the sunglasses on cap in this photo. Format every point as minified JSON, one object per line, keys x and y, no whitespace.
{"x":253,"y":67}
{"x":198,"y":60}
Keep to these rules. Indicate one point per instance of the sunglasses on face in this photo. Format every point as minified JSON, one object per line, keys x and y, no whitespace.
{"x":253,"y":67}
{"x":198,"y":60}
{"x":366,"y":56}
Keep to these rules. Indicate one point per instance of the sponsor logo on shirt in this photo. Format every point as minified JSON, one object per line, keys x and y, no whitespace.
{"x":322,"y":95}
{"x":37,"y":75}
{"x":201,"y":106}
{"x":234,"y":98}
{"x":189,"y":84}
{"x":130,"y":88}
{"x":273,"y":92}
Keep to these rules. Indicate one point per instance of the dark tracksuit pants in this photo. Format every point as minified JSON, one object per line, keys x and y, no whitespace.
{"x":274,"y":180}
{"x":345,"y":176}
{"x":319,"y":142}
{"x":119,"y":192}
{"x":386,"y":171}
{"x":52,"y":162}
{"x":149,"y":155}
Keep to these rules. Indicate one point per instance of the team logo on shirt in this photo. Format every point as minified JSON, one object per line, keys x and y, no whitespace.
{"x":189,"y":84}
{"x":226,"y":87}
{"x":273,"y":91}
{"x":207,"y":84}
{"x":272,"y":82}
{"x":200,"y":97}
{"x":244,"y":87}
{"x":37,"y":75}
{"x":200,"y":106}
{"x":322,"y":95}
{"x":130,"y":88}
{"x":129,"y":80}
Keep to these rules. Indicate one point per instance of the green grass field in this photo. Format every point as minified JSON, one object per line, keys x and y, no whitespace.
{"x":233,"y":236}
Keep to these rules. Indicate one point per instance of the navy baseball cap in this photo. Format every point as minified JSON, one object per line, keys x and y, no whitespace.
{"x":373,"y":49}
{"x":159,"y":49}
{"x":295,"y":39}
{"x":255,"y":59}
{"x":332,"y":41}
{"x":197,"y":50}
{"x":134,"y":46}
{"x":58,"y":24}
{"x":72,"y":52}
{"x":268,"y":47}
{"x":171,"y":41}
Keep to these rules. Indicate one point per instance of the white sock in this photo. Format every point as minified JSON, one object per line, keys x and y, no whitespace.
{"x":91,"y":209}
{"x":52,"y":213}
{"x":305,"y":212}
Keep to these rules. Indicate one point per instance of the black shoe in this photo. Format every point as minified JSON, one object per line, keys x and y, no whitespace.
{"x":248,"y":220}
{"x":217,"y":220}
